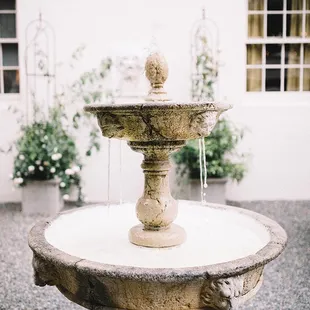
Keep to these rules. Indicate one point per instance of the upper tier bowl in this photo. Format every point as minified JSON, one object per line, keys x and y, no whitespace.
{"x":157,"y":121}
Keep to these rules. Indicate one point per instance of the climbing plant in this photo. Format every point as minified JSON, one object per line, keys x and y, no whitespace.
{"x":205,"y":72}
{"x":222,"y":157}
{"x":46,"y":148}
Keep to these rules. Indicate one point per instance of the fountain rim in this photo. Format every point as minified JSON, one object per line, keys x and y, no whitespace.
{"x":173,"y":105}
{"x":275,"y":246}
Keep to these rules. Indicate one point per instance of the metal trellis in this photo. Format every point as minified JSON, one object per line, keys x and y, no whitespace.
{"x":40,"y":65}
{"x":204,"y":40}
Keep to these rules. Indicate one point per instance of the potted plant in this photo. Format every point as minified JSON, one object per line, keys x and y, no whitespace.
{"x":222,"y":160}
{"x":46,"y":166}
{"x":47,"y":162}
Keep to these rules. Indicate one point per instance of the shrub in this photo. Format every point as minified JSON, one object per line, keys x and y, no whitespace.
{"x":221,"y":156}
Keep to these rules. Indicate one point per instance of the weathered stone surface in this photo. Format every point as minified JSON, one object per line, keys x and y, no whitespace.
{"x":156,"y":70}
{"x":94,"y":285}
{"x":156,"y":209}
{"x":157,"y":121}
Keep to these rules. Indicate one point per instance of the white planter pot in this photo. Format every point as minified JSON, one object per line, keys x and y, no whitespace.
{"x":215,"y":192}
{"x":42,"y":197}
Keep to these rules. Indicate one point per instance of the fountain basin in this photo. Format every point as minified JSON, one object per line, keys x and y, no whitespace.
{"x":157,"y":121}
{"x":87,"y":255}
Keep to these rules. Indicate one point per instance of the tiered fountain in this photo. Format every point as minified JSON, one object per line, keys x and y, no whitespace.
{"x":212,"y":257}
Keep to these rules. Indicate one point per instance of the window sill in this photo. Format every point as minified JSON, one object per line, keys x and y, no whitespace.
{"x":9,"y":96}
{"x":8,"y":99}
{"x":291,"y":99}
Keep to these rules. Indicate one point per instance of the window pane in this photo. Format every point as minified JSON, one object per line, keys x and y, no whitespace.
{"x":256,"y":26}
{"x":7,"y":26}
{"x":273,"y":80}
{"x":295,"y":5}
{"x":307,"y":54}
{"x":292,"y":54}
{"x":306,"y":79}
{"x":307,"y":31}
{"x":274,"y":25}
{"x":256,"y":5}
{"x":254,"y":80}
{"x":294,"y":25}
{"x":254,"y":54}
{"x":11,"y":81}
{"x":273,"y":54}
{"x":275,"y":5}
{"x":291,"y":80}
{"x":307,"y":4}
{"x":7,"y":5}
{"x":10,"y":54}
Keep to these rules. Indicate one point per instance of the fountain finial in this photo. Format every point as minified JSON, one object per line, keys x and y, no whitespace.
{"x":156,"y":70}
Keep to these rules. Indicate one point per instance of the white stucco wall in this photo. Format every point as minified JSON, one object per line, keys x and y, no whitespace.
{"x":279,"y":138}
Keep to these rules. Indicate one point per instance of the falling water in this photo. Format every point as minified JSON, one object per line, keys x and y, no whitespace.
{"x":109,"y":170}
{"x":203,"y":169}
{"x":120,"y":173}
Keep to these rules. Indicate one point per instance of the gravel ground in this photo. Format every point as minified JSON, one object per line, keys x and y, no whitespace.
{"x":286,"y":285}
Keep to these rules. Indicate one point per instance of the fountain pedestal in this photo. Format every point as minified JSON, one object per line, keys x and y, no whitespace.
{"x":156,"y":209}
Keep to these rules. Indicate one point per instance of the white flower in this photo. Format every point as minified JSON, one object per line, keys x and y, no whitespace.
{"x":76,"y":169}
{"x":43,"y":146}
{"x":62,"y":184}
{"x":18,"y":173}
{"x":38,"y":162}
{"x":31,"y":168}
{"x":56,"y":156}
{"x":21,"y":157}
{"x":52,"y":170}
{"x":11,"y":176}
{"x":41,"y":168}
{"x":45,"y":138}
{"x":18,"y":181}
{"x":66,"y":197}
{"x":69,"y":172}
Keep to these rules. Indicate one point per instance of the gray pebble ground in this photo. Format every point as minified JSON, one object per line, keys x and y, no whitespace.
{"x":286,"y":285}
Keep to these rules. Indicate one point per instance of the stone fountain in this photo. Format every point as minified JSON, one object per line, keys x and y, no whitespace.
{"x":206,"y":257}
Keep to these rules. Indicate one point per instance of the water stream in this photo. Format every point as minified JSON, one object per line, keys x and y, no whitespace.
{"x":203,"y":169}
{"x":109,"y":171}
{"x":120,"y":172}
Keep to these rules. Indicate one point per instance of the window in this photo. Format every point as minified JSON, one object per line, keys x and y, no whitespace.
{"x":9,"y":70}
{"x":278,"y":46}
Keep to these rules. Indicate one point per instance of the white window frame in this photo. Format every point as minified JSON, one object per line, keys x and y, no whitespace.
{"x":8,"y":40}
{"x":278,"y":40}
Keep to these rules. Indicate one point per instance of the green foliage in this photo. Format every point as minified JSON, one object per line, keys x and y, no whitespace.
{"x":88,"y":88}
{"x":47,"y":137}
{"x":221,"y":157}
{"x":46,"y":151}
{"x":206,"y":72}
{"x":220,"y":146}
